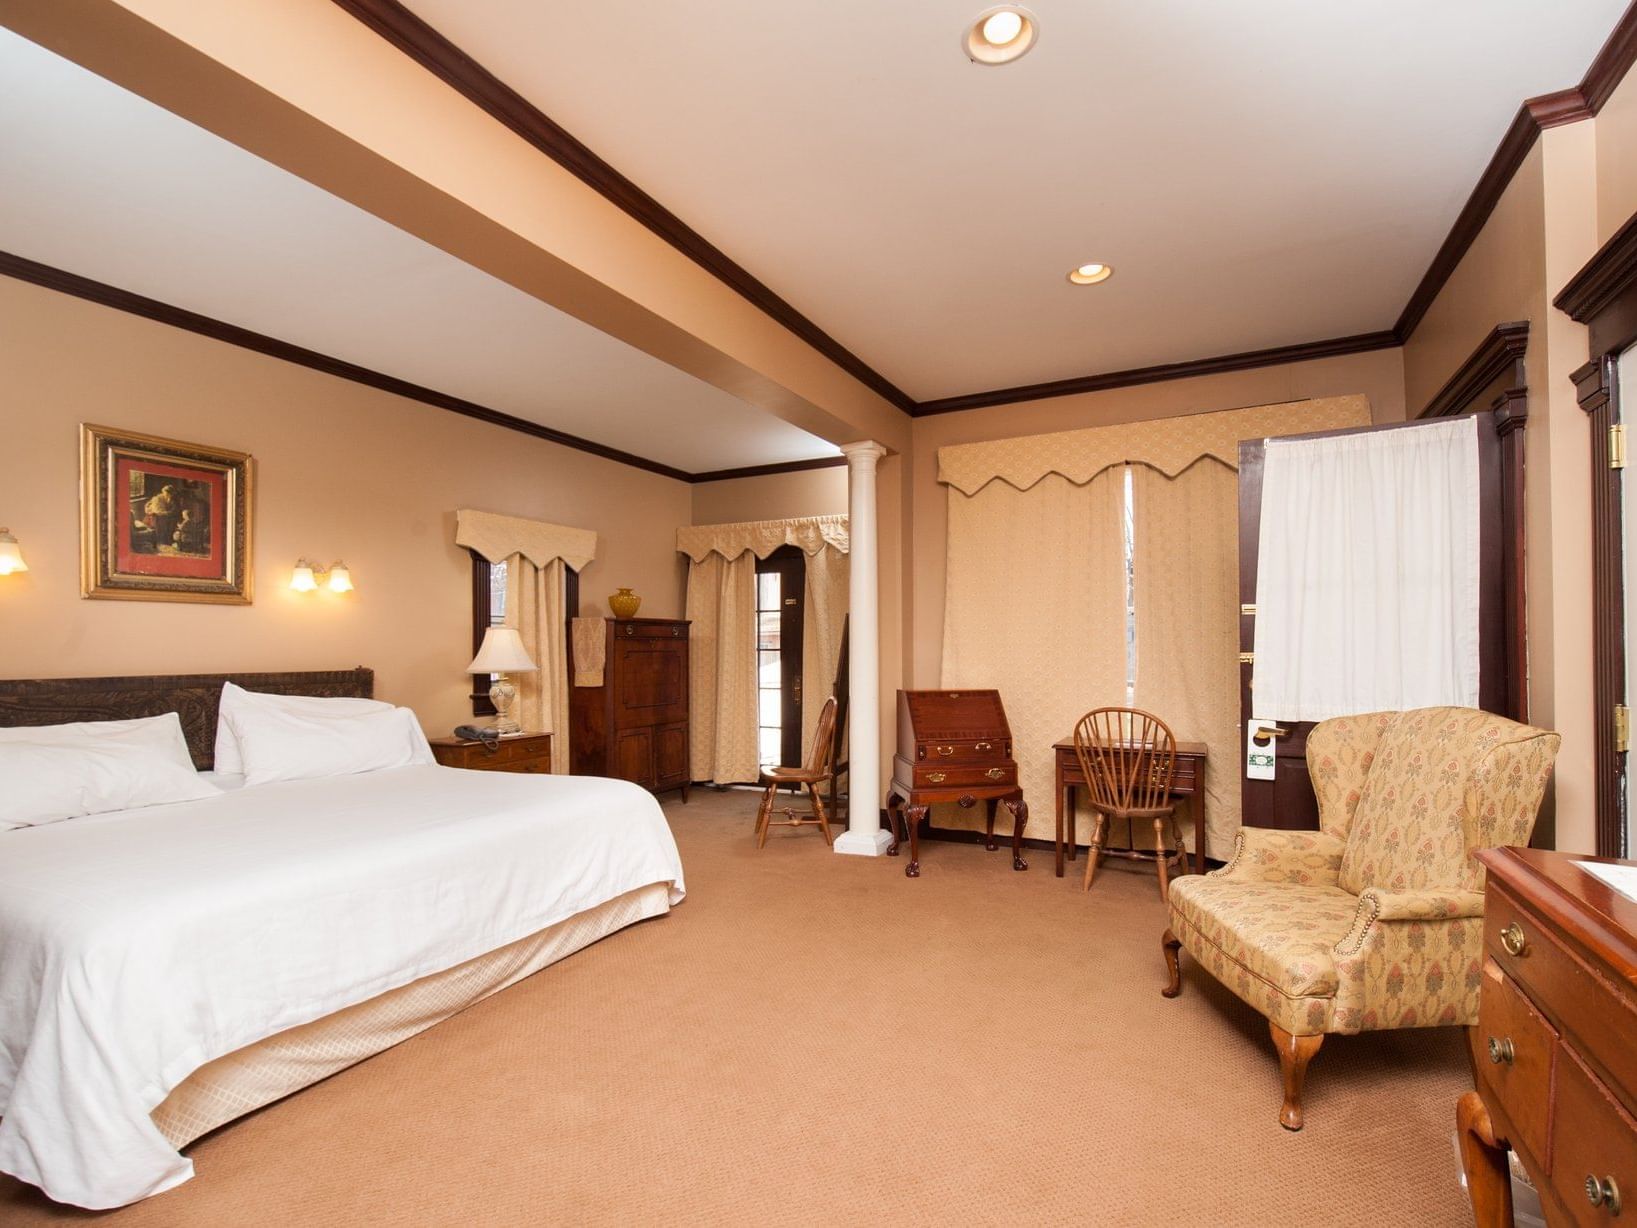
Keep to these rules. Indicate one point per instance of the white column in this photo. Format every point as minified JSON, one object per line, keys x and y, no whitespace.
{"x":863,"y":835}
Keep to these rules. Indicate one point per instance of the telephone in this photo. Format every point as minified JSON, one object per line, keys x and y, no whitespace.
{"x":477,"y":733}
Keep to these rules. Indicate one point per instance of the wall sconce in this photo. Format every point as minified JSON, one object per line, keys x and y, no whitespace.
{"x":305,"y":578}
{"x":11,"y":554}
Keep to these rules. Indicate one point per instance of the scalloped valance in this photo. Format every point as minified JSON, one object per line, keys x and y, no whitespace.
{"x":498,"y":537}
{"x":762,"y":537}
{"x":1169,"y":445}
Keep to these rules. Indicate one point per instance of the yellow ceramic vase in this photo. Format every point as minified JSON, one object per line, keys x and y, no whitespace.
{"x":624,"y":603}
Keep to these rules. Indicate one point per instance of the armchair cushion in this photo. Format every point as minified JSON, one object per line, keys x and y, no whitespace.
{"x":1268,"y":855}
{"x":1272,"y":943}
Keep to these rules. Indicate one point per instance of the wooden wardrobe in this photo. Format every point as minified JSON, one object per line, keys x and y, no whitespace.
{"x":635,"y":725}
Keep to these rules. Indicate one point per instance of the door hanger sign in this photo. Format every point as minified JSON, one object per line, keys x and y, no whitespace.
{"x":1259,"y":745}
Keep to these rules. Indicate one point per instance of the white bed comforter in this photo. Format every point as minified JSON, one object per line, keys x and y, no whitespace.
{"x":136,"y":947}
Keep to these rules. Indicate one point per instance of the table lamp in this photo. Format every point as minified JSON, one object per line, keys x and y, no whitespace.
{"x":502,"y":653}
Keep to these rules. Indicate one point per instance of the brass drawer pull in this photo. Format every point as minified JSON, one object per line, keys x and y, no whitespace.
{"x":1513,"y":940}
{"x":936,"y":778}
{"x":983,"y":746}
{"x":1603,"y":1193}
{"x":1500,"y":1050}
{"x":995,"y":773}
{"x":946,"y":751}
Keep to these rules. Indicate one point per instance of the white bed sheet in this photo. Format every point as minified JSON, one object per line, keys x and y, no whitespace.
{"x":138,"y":946}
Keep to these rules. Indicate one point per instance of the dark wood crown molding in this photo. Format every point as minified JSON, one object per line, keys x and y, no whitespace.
{"x":432,"y":51}
{"x":1276,"y":356}
{"x":1498,"y":353}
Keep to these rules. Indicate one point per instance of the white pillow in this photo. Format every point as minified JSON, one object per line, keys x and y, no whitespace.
{"x":48,"y":781}
{"x":160,"y":736}
{"x":295,"y":746}
{"x":229,"y":760}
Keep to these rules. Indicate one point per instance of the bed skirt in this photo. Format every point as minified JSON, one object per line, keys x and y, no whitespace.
{"x":246,"y":1079}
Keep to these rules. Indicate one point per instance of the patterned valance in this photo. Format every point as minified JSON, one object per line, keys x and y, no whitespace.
{"x":763,"y":537}
{"x":1167,"y":444}
{"x":497,"y":538}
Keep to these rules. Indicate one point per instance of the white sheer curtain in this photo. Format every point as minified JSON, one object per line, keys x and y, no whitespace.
{"x":1367,"y":573}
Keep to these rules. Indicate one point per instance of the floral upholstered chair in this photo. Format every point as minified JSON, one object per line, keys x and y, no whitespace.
{"x":1376,"y":920}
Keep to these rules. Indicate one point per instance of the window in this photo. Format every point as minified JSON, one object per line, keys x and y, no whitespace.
{"x":1129,"y":523}
{"x":488,"y":610}
{"x":779,"y":581}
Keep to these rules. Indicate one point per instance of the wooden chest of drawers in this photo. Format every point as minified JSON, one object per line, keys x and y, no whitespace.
{"x":1553,"y":1050}
{"x":953,"y":746}
{"x":635,"y":726}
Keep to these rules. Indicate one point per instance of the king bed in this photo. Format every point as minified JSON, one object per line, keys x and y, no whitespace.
{"x":165,"y":970}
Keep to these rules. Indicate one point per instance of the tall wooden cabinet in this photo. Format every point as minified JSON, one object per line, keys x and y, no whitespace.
{"x":635,"y":725}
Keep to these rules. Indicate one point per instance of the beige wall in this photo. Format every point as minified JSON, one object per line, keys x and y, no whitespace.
{"x":342,"y":471}
{"x":780,"y":496}
{"x":1378,"y":375}
{"x":1616,"y":128}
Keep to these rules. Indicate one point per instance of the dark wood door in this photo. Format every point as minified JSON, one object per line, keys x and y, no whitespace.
{"x":1287,"y":801}
{"x":781,"y":580}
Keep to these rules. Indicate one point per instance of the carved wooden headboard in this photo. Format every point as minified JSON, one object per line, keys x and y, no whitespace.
{"x":56,"y":701}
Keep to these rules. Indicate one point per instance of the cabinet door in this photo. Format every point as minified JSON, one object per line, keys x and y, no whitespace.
{"x":634,"y":756}
{"x":671,"y":754}
{"x":652,"y":682}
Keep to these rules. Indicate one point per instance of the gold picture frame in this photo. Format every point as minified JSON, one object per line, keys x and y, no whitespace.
{"x":163,"y":520}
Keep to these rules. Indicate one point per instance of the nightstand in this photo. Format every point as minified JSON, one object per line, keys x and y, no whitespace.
{"x":530,"y":752}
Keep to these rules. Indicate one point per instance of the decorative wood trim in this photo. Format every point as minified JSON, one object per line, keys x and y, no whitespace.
{"x":1603,"y":294}
{"x":1503,"y":348}
{"x":1276,"y":356}
{"x":432,"y":51}
{"x":759,"y":471}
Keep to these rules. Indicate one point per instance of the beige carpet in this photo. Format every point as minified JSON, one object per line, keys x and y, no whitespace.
{"x":813,"y":1039}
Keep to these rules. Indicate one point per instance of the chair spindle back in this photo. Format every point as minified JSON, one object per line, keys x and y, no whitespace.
{"x":1128,"y":757}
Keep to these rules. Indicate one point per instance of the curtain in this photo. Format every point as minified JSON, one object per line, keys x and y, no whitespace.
{"x":535,"y":606}
{"x":721,"y":604}
{"x":1185,"y":576}
{"x":1367,"y":573}
{"x":1035,"y":605}
{"x":824,"y":611}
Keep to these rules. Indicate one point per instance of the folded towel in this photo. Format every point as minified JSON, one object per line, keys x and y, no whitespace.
{"x":590,"y":648}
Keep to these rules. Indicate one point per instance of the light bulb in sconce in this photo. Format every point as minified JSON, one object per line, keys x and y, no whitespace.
{"x":340,"y":578}
{"x":301,"y":579}
{"x":11,"y":554}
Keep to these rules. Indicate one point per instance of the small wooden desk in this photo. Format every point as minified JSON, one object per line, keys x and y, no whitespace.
{"x":1188,"y":781}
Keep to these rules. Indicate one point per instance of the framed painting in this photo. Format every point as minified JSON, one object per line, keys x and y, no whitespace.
{"x":162,"y":520}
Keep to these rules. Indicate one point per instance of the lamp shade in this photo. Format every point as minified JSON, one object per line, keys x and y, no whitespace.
{"x":301,"y":577}
{"x":502,"y":653}
{"x":340,"y":578}
{"x":11,"y":554}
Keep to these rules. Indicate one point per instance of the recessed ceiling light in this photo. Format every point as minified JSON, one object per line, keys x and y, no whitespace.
{"x":1091,"y":274}
{"x":1001,"y":34}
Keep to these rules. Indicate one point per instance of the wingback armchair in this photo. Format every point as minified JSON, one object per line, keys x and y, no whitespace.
{"x":1375,"y":920}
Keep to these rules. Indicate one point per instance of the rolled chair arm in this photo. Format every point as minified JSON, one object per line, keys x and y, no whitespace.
{"x":1268,"y":855}
{"x":1377,"y":904}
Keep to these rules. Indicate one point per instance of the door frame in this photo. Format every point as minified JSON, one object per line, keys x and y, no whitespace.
{"x":1603,"y":297}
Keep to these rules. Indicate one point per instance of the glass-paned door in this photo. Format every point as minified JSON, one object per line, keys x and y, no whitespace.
{"x":780,"y":579}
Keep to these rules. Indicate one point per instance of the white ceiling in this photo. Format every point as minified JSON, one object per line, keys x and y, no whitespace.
{"x":100,"y":182}
{"x":1259,"y":172}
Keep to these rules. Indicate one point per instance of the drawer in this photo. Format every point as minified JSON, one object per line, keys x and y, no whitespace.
{"x":952,"y":750}
{"x":516,"y":751}
{"x":1593,"y":1012}
{"x":650,"y":631}
{"x":1595,"y":1142}
{"x":1514,"y":1051}
{"x":950,"y":775}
